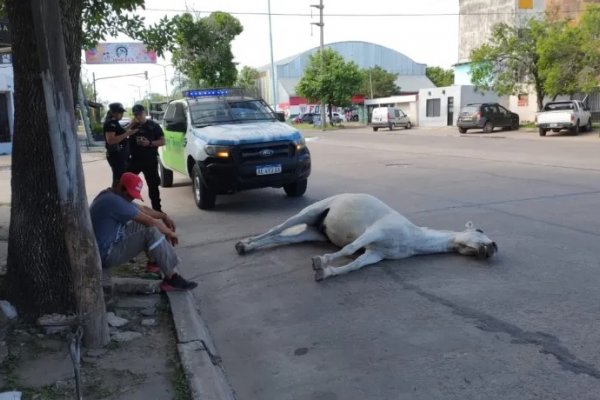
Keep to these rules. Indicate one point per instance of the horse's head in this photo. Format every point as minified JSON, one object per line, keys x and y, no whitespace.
{"x":473,"y":242}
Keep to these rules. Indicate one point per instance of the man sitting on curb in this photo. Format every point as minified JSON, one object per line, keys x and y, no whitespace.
{"x":124,"y":229}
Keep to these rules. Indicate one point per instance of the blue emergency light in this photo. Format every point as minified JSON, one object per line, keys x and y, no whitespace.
{"x":205,"y":93}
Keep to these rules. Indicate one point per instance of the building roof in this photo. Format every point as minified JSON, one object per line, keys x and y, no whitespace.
{"x":413,"y":83}
{"x":364,"y":54}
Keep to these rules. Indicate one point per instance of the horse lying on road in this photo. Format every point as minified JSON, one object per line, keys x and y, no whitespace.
{"x":356,"y":222}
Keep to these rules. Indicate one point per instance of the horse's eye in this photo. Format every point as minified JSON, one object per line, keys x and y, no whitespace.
{"x":479,"y":230}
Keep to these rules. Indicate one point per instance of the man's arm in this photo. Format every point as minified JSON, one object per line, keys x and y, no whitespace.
{"x":157,"y":215}
{"x":147,"y":220}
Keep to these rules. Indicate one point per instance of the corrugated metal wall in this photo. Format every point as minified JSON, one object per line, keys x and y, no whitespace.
{"x":364,"y":54}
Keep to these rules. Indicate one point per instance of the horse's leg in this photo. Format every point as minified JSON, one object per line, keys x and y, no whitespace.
{"x":295,"y":234}
{"x":369,"y":257}
{"x":363,"y":240}
{"x":309,"y":216}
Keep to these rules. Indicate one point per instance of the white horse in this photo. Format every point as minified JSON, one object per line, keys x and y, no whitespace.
{"x":359,"y":221}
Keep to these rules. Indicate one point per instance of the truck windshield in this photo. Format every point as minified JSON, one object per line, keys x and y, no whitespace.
{"x":230,"y":111}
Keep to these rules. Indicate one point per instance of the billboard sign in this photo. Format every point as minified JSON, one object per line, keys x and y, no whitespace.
{"x":120,"y":53}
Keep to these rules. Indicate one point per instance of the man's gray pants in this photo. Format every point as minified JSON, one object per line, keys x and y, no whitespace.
{"x":138,"y":238}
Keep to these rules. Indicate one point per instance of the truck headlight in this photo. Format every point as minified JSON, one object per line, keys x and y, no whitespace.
{"x":300,"y":144}
{"x":217,"y":151}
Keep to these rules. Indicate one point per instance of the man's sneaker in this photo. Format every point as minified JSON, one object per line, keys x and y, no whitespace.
{"x":152,"y":268}
{"x":176,"y":283}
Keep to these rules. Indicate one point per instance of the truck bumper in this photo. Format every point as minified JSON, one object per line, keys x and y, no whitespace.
{"x":227,"y":177}
{"x":559,"y":125}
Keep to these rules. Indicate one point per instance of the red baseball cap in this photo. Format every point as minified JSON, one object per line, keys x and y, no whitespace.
{"x":133,"y":184}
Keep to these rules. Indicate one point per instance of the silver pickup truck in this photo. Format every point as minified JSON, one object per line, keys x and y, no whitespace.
{"x":557,"y":115}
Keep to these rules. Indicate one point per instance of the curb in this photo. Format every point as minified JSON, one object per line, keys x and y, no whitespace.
{"x":201,"y":364}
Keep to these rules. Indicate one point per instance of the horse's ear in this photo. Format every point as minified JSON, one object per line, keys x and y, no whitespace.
{"x":469,"y":225}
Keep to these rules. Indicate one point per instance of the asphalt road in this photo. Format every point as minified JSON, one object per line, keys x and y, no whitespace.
{"x":522,"y":325}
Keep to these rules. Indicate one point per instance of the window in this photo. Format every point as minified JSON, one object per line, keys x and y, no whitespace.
{"x":433,"y":108}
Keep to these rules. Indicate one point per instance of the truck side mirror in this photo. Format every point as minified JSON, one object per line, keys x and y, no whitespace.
{"x":280,"y":116}
{"x":176,"y":126}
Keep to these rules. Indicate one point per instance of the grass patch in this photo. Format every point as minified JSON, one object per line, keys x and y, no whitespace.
{"x":311,"y":127}
{"x":527,"y":124}
{"x":179,"y":382}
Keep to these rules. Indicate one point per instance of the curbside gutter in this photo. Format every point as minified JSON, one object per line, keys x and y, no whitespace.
{"x":201,"y":364}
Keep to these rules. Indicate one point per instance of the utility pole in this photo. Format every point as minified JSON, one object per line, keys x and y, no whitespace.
{"x":321,"y":25}
{"x":82,"y":250}
{"x":94,"y":81}
{"x":272,"y":62}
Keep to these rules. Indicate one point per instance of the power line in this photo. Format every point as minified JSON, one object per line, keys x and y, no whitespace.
{"x":346,"y":15}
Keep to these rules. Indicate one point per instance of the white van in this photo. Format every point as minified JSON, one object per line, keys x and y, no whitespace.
{"x":389,"y":117}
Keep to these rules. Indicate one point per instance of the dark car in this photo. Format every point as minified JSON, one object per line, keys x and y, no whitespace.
{"x":486,"y":116}
{"x":307,"y":118}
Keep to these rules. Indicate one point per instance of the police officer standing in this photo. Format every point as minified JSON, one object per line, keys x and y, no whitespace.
{"x":144,"y":152}
{"x":117,"y":140}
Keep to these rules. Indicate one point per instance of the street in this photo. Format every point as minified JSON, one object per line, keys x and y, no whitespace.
{"x":521,"y":325}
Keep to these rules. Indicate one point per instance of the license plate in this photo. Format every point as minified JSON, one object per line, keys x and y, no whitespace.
{"x":268,"y":169}
{"x":553,"y":125}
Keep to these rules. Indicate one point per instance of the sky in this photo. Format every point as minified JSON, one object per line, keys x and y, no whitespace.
{"x":424,"y":30}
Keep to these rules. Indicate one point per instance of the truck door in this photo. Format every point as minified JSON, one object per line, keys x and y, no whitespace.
{"x":176,"y":126}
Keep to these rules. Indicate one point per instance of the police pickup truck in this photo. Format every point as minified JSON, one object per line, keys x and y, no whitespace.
{"x":226,"y":142}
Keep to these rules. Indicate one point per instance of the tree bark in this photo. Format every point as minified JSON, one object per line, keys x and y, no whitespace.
{"x":42,"y":235}
{"x":38,"y":276}
{"x":79,"y":236}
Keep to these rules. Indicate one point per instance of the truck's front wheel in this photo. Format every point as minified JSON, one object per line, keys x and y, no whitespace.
{"x":166,"y":175}
{"x":296,"y":189}
{"x":204,"y":197}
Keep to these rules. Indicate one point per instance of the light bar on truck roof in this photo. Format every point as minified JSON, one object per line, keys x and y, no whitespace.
{"x":194,"y":94}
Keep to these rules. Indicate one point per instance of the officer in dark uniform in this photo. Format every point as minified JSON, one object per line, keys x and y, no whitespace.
{"x":117,"y":140}
{"x":144,"y":152}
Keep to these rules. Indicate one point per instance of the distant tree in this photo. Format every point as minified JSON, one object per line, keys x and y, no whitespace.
{"x":202,"y":48}
{"x":334,"y":84}
{"x":439,"y":76}
{"x":247,"y":77}
{"x":378,"y":82}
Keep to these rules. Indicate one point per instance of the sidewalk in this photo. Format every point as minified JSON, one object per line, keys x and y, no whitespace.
{"x":152,"y":370}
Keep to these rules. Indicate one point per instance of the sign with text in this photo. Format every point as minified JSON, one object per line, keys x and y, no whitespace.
{"x":120,"y":53}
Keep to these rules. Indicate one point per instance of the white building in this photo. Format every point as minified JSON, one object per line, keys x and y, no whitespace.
{"x":440,"y":106}
{"x":7,"y":108}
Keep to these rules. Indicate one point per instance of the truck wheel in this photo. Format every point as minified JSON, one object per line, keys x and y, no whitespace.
{"x":375,"y":129}
{"x":408,"y":125}
{"x":575,"y":129}
{"x":166,"y":175}
{"x":542,"y":132}
{"x":296,"y":189}
{"x":462,"y":130}
{"x":488,"y":127}
{"x":588,"y":127}
{"x":204,"y":197}
{"x":391,"y":126}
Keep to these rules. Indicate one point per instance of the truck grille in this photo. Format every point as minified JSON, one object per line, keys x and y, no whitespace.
{"x":266,"y":151}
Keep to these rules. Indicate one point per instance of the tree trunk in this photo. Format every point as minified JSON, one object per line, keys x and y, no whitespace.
{"x":39,"y":273}
{"x":81,"y":244}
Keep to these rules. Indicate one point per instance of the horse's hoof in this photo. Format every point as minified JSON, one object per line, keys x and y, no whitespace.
{"x":317,"y":263}
{"x":319,"y":274}
{"x":240,"y":247}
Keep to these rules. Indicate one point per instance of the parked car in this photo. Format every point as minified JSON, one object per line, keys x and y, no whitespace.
{"x":486,"y":116}
{"x":226,"y":142}
{"x":389,"y":117}
{"x":338,"y":118}
{"x":572,"y":115}
{"x":307,"y":118}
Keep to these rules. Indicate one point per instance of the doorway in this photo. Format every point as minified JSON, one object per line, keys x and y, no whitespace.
{"x":450,"y":110}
